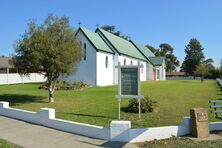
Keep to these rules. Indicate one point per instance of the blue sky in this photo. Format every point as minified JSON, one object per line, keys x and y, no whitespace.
{"x":145,"y":21}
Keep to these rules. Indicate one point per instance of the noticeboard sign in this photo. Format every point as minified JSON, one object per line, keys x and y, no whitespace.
{"x":129,"y":81}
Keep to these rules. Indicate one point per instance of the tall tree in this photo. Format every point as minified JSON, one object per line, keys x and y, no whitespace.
{"x":202,"y":70}
{"x":166,"y":50}
{"x":171,"y":60}
{"x":206,"y":68}
{"x":151,"y":48}
{"x":194,"y":56}
{"x":112,"y":29}
{"x":50,"y":49}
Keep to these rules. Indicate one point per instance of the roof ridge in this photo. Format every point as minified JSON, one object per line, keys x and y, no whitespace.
{"x":114,"y":34}
{"x":118,"y":43}
{"x":96,"y":41}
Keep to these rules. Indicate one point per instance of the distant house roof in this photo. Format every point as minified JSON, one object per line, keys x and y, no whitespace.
{"x":5,"y":62}
{"x":120,"y":45}
{"x":175,"y":74}
{"x":96,"y":40}
{"x":156,"y":61}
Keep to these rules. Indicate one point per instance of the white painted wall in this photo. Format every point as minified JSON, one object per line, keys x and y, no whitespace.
{"x":46,"y":117}
{"x":118,"y":131}
{"x":162,"y":72}
{"x":15,"y":78}
{"x":86,"y":71}
{"x":149,"y":71}
{"x":104,"y":75}
{"x":93,"y":72}
{"x":135,"y":62}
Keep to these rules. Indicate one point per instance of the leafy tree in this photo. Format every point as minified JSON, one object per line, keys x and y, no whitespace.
{"x":151,"y":48}
{"x":112,"y":29}
{"x":202,"y":70}
{"x":171,"y":60}
{"x":209,"y":64}
{"x":50,"y":49}
{"x":194,"y":56}
{"x":206,"y":68}
{"x":166,"y":50}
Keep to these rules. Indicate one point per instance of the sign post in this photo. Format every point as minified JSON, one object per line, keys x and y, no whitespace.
{"x":129,"y":84}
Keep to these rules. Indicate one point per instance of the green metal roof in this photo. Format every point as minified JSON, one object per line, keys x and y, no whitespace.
{"x":144,"y":50}
{"x":121,"y":45}
{"x":96,"y":40}
{"x":156,"y":61}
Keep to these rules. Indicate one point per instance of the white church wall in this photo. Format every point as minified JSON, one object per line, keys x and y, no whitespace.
{"x":104,"y":72}
{"x":149,"y":71}
{"x":86,"y":71}
{"x":134,"y":62}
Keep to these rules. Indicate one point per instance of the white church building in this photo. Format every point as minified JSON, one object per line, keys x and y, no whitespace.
{"x":103,"y":51}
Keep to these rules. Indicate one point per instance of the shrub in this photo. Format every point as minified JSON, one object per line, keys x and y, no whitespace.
{"x":63,"y":85}
{"x":147,"y":105}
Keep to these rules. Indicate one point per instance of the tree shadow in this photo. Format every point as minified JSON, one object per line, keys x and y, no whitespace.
{"x":88,"y":115}
{"x":125,"y":109}
{"x":15,"y":99}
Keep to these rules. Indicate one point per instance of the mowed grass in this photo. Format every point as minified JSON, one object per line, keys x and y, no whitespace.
{"x":176,"y":142}
{"x":98,"y":105}
{"x":6,"y":144}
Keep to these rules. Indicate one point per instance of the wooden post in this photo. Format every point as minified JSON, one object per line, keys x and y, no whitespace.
{"x":7,"y":74}
{"x":119,"y":89}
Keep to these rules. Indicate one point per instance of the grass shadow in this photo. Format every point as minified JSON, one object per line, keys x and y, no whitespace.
{"x":15,"y":99}
{"x":125,"y":109}
{"x":88,"y":115}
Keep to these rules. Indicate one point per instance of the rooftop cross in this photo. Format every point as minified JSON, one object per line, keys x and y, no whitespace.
{"x":79,"y":23}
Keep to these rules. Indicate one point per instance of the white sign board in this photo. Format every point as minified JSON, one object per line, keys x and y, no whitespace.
{"x":129,"y":83}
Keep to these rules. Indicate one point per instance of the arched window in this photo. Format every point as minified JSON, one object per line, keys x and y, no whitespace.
{"x":80,"y":43}
{"x":131,"y":63}
{"x":142,"y":68}
{"x":106,"y":62}
{"x":124,"y":62}
{"x":84,"y":51}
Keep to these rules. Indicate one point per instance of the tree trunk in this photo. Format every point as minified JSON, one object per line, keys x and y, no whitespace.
{"x":202,"y":79}
{"x":51,"y":91}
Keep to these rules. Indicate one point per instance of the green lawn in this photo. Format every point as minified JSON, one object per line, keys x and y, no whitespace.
{"x":6,"y":144}
{"x":98,"y":105}
{"x":175,"y":142}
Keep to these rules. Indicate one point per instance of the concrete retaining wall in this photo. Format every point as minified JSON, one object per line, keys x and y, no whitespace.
{"x":46,"y":117}
{"x":219,"y":81}
{"x":118,"y":131}
{"x":14,"y":78}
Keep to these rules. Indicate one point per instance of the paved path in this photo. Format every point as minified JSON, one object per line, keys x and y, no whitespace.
{"x":33,"y":136}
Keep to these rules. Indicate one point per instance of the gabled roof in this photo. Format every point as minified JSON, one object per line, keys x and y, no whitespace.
{"x":144,"y":50}
{"x":96,"y":40}
{"x":107,"y":42}
{"x":156,"y":61}
{"x":120,"y":45}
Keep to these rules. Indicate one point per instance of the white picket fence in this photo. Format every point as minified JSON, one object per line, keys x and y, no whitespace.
{"x":15,"y":78}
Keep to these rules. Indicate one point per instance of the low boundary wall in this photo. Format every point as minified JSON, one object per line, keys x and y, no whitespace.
{"x":219,"y":81}
{"x":118,"y":131}
{"x":15,"y":78}
{"x":46,"y":117}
